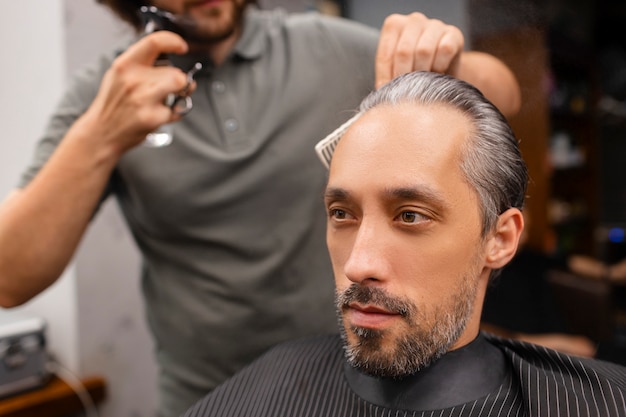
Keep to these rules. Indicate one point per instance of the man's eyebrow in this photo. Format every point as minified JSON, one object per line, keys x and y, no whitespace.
{"x":414,"y":193}
{"x":334,"y":193}
{"x":397,"y":193}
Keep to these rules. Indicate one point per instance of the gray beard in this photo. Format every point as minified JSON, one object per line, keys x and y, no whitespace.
{"x":415,"y":349}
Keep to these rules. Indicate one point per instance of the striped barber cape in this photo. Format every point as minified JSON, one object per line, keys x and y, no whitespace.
{"x":307,"y":378}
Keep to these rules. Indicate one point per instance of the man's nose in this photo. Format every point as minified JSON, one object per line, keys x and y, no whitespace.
{"x":368,"y":259}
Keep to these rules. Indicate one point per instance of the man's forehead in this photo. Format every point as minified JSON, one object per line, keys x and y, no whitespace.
{"x":405,"y":135}
{"x":399,"y":116}
{"x":409,"y":151}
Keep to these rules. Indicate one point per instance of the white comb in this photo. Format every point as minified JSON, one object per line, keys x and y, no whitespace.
{"x":326,"y":147}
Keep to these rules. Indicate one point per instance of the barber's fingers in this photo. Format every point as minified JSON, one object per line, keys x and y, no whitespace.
{"x":147,"y":90}
{"x":139,"y":86}
{"x":416,"y":43}
{"x":131,"y":101}
{"x":395,"y":54}
{"x":449,"y":46}
{"x":147,"y":49}
{"x":142,"y":84}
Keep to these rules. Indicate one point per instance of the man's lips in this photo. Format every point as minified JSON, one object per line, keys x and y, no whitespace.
{"x":369,"y":316}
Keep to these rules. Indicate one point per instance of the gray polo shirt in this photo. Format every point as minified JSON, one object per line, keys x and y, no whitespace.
{"x":229,"y":217}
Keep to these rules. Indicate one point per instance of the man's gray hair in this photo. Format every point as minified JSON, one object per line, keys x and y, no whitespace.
{"x":491,"y":158}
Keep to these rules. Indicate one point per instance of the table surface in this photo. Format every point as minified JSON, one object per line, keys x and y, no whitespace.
{"x":55,"y":399}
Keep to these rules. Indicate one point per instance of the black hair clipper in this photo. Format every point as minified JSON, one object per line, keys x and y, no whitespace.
{"x":155,"y":19}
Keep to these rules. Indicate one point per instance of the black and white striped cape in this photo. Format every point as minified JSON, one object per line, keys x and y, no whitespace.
{"x":305,"y":378}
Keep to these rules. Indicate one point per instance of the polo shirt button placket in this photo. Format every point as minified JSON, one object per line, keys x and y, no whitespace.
{"x":231,"y":125}
{"x":218,"y":87}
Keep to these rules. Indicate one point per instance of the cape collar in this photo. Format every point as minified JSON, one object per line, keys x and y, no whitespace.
{"x":458,"y":377}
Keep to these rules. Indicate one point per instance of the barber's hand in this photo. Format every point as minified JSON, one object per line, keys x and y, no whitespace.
{"x":416,"y":43}
{"x":131,"y":100}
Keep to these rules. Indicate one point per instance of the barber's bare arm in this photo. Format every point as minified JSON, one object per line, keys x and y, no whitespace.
{"x":416,"y":43}
{"x":42,"y":224}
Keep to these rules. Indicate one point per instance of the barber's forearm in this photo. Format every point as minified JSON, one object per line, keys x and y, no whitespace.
{"x":41,"y":225}
{"x":493,"y":78}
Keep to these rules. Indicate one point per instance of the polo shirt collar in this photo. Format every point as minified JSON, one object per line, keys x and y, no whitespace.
{"x":250,"y":45}
{"x":252,"y":42}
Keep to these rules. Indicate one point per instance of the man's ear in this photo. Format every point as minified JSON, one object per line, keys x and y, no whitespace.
{"x":502,"y":245}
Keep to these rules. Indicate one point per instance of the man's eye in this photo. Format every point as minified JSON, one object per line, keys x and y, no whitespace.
{"x":337,"y":214}
{"x":412,"y":217}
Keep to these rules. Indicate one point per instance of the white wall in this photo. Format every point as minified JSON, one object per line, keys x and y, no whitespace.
{"x":94,"y":313}
{"x":31,"y":81}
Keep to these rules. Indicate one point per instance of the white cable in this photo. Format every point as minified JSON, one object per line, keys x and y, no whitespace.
{"x":76,"y":385}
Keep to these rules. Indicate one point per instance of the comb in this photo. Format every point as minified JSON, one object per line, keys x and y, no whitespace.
{"x":326,"y":147}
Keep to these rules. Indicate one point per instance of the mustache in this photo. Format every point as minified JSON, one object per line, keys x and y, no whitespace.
{"x":375,"y":296}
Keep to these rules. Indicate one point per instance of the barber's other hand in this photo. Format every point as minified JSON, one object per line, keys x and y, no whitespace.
{"x":131,"y":100}
{"x":416,"y":43}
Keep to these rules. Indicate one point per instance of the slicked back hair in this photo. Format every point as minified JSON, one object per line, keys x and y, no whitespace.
{"x":491,"y":158}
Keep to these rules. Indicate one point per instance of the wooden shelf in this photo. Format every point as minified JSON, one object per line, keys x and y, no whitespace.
{"x":55,"y":399}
